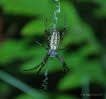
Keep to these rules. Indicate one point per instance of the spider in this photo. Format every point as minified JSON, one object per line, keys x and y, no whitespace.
{"x":53,"y":43}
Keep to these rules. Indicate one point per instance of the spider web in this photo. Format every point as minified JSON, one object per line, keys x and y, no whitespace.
{"x":55,"y":18}
{"x":54,"y":24}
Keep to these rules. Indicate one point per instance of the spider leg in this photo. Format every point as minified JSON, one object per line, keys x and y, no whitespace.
{"x":47,"y":38}
{"x":41,"y":45}
{"x":34,"y":67}
{"x":46,"y":32}
{"x":62,"y":48}
{"x":63,"y":62}
{"x":62,"y":35}
{"x":64,"y":30}
{"x":42,"y":63}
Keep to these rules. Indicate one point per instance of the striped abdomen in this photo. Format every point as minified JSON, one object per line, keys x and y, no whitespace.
{"x":55,"y":39}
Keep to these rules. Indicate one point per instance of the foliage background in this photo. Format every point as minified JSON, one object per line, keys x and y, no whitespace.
{"x":23,"y":21}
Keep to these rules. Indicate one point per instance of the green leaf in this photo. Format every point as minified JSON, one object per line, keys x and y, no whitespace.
{"x":34,"y":28}
{"x":65,"y":97}
{"x":21,"y":85}
{"x":101,"y":10}
{"x":25,"y":96}
{"x":26,"y":7}
{"x":11,"y":50}
{"x":1,"y":2}
{"x":91,"y":70}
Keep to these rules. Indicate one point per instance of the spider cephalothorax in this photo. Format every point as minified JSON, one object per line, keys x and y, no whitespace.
{"x":53,"y":43}
{"x":52,"y":53}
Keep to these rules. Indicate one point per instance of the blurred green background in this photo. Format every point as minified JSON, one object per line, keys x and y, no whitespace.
{"x":22,"y":22}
